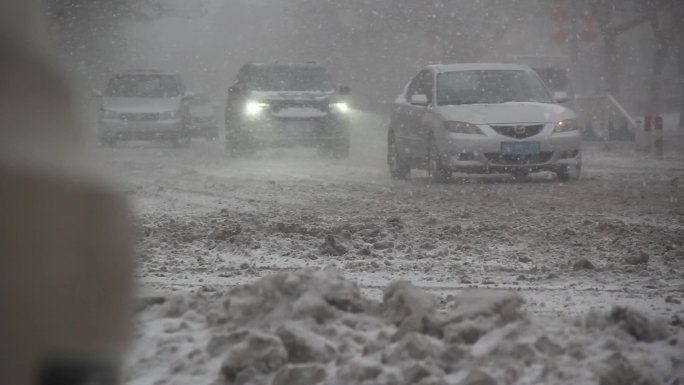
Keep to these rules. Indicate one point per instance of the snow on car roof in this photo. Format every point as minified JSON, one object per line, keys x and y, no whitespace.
{"x":478,"y":67}
{"x":145,"y":72}
{"x":286,"y":65}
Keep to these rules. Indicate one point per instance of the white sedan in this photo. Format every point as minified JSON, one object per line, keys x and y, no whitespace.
{"x":482,"y":118}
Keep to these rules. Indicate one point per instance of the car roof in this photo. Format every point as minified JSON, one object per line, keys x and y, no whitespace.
{"x":557,"y":61}
{"x":146,"y":72}
{"x":290,"y":65}
{"x":477,"y":67}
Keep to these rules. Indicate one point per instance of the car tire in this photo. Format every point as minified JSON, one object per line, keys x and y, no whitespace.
{"x":237,"y":144}
{"x":184,"y":136}
{"x":569,"y":173}
{"x":211,"y":136}
{"x":397,"y":167}
{"x":341,"y":150}
{"x":182,"y":142}
{"x":338,"y":150}
{"x":109,"y":142}
{"x":436,"y":171}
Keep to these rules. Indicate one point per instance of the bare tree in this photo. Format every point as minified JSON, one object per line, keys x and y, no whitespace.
{"x":381,"y":42}
{"x":665,"y":17}
{"x":614,"y":19}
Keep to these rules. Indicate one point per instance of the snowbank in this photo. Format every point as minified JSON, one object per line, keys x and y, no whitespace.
{"x":315,"y":327}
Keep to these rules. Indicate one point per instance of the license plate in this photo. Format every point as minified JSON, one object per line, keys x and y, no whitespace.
{"x":520,"y":148}
{"x":300,"y":125}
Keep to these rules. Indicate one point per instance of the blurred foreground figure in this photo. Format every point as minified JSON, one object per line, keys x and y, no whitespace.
{"x":64,"y":250}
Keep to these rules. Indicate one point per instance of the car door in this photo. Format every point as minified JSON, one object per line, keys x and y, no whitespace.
{"x":418,"y":128}
{"x":184,"y":106}
{"x":236,"y":95}
{"x":405,"y":117}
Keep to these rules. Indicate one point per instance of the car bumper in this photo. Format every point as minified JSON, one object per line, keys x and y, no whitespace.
{"x":483,"y":154}
{"x":123,"y":130}
{"x":296,"y":131}
{"x":204,"y":127}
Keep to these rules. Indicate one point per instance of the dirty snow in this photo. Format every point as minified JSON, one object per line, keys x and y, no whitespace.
{"x":484,"y":280}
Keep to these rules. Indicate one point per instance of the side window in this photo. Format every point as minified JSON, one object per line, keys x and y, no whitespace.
{"x":242,"y":76}
{"x":422,"y":84}
{"x":427,"y":84}
{"x":413,"y":87}
{"x":181,"y":86}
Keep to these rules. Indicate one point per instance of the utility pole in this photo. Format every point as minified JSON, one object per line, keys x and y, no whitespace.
{"x":574,"y":49}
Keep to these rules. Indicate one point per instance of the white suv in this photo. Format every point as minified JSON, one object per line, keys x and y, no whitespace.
{"x":481,"y":118}
{"x":144,"y":105}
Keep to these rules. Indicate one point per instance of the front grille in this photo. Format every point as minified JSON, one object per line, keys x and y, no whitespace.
{"x":286,"y":104}
{"x":519,"y":131}
{"x":140,"y":116}
{"x":498,"y":158}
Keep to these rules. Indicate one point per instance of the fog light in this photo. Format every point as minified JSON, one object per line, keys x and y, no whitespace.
{"x":255,"y":108}
{"x":340,"y":107}
{"x":569,"y":154}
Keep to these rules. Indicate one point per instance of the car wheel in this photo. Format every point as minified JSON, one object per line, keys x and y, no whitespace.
{"x":211,"y":136}
{"x":109,"y":142}
{"x":184,"y":136}
{"x":341,"y":150}
{"x":183,"y":142}
{"x":322,"y":151}
{"x":398,"y":168}
{"x":437,"y":172}
{"x":569,"y":173}
{"x":237,"y":144}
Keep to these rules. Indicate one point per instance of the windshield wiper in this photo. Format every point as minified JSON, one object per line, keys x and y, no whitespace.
{"x":458,"y":102}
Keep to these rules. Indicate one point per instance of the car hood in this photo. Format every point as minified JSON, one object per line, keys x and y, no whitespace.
{"x":306,"y":96}
{"x":506,"y":113}
{"x":135,"y":105}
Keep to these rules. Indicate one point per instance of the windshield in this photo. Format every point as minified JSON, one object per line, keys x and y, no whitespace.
{"x":555,"y":79}
{"x":143,"y":86}
{"x":490,"y":87}
{"x":289,"y":79}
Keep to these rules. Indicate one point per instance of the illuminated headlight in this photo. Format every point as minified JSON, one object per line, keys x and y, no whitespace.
{"x":255,"y":108}
{"x":170,"y":115}
{"x":109,"y":114}
{"x":462,"y":128}
{"x":340,"y":107}
{"x":565,"y":126}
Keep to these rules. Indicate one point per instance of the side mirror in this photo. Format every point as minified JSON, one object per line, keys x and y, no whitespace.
{"x":96,"y":93}
{"x":561,"y":97}
{"x":419,"y":100}
{"x":234,"y":90}
{"x":188,"y":96}
{"x":344,"y":90}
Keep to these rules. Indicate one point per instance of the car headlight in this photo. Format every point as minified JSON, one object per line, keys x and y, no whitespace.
{"x":170,"y":115}
{"x":109,"y":114}
{"x":462,"y":128}
{"x":255,"y":108}
{"x":340,"y":107}
{"x":565,"y":126}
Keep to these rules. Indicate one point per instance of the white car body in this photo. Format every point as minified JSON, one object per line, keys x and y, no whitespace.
{"x":418,"y":137}
{"x":149,"y":117}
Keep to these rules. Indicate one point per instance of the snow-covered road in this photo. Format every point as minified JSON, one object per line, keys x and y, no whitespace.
{"x":209,"y":222}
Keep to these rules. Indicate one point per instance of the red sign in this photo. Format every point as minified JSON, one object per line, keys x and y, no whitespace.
{"x":560,"y":36}
{"x":588,"y":35}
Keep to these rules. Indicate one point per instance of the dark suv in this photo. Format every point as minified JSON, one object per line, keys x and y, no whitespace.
{"x":287,"y":105}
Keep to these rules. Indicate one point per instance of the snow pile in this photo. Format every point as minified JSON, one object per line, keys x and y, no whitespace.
{"x":315,"y":327}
